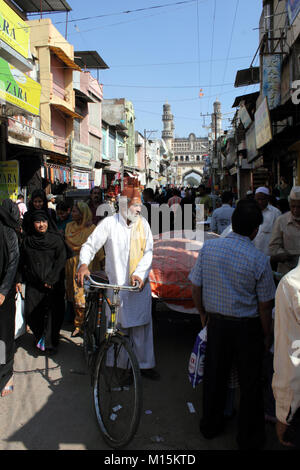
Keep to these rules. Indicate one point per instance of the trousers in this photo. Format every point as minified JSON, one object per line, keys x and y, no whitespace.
{"x":243,"y":341}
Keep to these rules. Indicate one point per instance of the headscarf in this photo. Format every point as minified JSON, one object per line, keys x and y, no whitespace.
{"x":12,"y":208}
{"x":41,"y":194}
{"x":8,"y":215}
{"x":41,"y":241}
{"x":76,"y":235}
{"x":27,"y":219}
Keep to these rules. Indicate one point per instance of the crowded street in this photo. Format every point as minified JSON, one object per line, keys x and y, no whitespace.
{"x":150,"y":227}
{"x":53,"y":407}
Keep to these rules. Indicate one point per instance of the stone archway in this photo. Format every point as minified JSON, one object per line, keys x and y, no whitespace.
{"x":192,"y":177}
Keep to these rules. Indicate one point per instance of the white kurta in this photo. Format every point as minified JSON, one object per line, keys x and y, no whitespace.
{"x":286,"y":378}
{"x":135,"y":307}
{"x":263,"y":237}
{"x":114,"y":234}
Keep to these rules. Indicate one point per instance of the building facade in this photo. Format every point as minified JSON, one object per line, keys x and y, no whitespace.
{"x":189,"y":159}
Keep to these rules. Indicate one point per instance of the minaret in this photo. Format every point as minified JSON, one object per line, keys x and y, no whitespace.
{"x":216,"y":120}
{"x":168,"y":132}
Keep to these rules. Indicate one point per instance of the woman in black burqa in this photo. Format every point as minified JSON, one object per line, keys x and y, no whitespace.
{"x":9,"y":257}
{"x":42,"y":261}
{"x":38,"y":201}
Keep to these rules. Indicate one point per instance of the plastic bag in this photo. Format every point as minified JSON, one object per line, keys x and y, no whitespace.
{"x":196,"y":362}
{"x":20,"y":325}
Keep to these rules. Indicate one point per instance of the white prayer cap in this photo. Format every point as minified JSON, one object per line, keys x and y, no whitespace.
{"x":295,"y":192}
{"x":263,"y":190}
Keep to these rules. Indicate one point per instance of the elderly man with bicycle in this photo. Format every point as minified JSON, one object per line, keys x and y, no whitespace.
{"x":128,"y":243}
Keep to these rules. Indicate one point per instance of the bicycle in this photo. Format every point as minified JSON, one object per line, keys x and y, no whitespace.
{"x":115,"y":372}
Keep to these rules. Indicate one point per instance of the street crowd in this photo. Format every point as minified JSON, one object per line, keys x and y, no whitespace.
{"x":252,"y":317}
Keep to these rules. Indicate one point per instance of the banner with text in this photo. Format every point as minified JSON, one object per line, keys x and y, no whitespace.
{"x":9,"y":180}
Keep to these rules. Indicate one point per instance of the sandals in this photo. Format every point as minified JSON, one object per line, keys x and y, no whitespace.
{"x":76,"y":333}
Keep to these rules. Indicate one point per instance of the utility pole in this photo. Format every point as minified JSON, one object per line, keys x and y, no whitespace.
{"x":145,"y":151}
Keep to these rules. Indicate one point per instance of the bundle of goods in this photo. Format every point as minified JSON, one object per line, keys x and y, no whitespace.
{"x":173,"y":259}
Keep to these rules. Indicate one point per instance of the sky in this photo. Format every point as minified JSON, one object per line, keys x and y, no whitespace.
{"x":168,"y":51}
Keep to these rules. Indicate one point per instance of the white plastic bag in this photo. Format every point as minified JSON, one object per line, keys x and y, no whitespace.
{"x":20,"y":325}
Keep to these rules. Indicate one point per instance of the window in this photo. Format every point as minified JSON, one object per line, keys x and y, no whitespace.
{"x":176,"y":159}
{"x":187,"y":158}
{"x":181,"y":158}
{"x":198,"y":158}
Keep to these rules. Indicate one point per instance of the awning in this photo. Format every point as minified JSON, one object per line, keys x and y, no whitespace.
{"x":67,"y":111}
{"x":246,"y":77}
{"x":35,"y":6}
{"x":63,"y":56}
{"x":89,"y":60}
{"x":250,"y":98}
{"x":83,"y":96}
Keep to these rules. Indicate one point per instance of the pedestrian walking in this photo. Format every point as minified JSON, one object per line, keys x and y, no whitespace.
{"x":76,"y":235}
{"x":128,"y":244}
{"x":9,"y":257}
{"x":94,"y":202}
{"x":21,"y":205}
{"x":233,"y":289}
{"x":221,"y":217}
{"x":284,"y":246}
{"x":286,"y":378}
{"x":270,"y":214}
{"x":38,"y":201}
{"x":63,"y":211}
{"x":42,"y":260}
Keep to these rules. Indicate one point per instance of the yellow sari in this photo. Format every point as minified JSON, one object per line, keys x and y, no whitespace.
{"x":76,"y":235}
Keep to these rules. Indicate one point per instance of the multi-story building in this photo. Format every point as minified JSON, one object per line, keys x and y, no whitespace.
{"x":120,"y":113}
{"x":265,"y":144}
{"x":57,"y":110}
{"x":189,"y":158}
{"x":20,"y":103}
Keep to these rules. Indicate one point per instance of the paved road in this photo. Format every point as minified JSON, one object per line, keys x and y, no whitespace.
{"x":51,"y":406}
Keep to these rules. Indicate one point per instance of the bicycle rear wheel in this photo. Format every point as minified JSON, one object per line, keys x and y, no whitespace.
{"x":117,"y":392}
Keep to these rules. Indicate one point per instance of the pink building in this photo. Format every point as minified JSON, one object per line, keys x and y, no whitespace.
{"x":86,"y":144}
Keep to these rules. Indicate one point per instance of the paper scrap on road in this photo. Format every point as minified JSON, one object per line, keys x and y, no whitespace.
{"x":113,"y":416}
{"x":157,"y":439}
{"x":148,"y":412}
{"x":191,"y":407}
{"x":117,"y":408}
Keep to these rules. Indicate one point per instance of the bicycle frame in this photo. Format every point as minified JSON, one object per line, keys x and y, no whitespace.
{"x":113,"y":305}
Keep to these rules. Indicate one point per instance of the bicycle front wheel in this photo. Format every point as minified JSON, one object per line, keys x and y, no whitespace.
{"x":117,"y":392}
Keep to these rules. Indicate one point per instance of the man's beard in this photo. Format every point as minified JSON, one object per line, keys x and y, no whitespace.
{"x":132,"y":217}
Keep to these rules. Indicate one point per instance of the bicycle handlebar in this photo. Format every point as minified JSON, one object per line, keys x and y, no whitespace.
{"x":101,"y":285}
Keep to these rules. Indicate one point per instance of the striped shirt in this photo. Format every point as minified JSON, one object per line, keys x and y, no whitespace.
{"x":234,"y":276}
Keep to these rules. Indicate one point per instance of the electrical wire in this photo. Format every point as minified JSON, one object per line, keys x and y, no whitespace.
{"x":212,"y":45}
{"x":230,"y":40}
{"x":124,"y":12}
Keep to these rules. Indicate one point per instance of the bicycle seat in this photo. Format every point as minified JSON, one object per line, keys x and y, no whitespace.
{"x":100,"y":276}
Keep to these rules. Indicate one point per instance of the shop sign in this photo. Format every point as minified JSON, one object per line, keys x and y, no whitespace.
{"x":263,"y":131}
{"x":271,"y":80}
{"x":9,"y":180}
{"x":81,"y":180}
{"x":251,"y":143}
{"x":25,"y":130}
{"x":233,"y":171}
{"x":293,"y":8}
{"x":258,"y":163}
{"x":244,"y":117}
{"x":82,"y":155}
{"x":19,"y":89}
{"x":13,"y":30}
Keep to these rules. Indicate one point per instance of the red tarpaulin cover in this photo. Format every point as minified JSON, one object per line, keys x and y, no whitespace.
{"x":173,"y":259}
